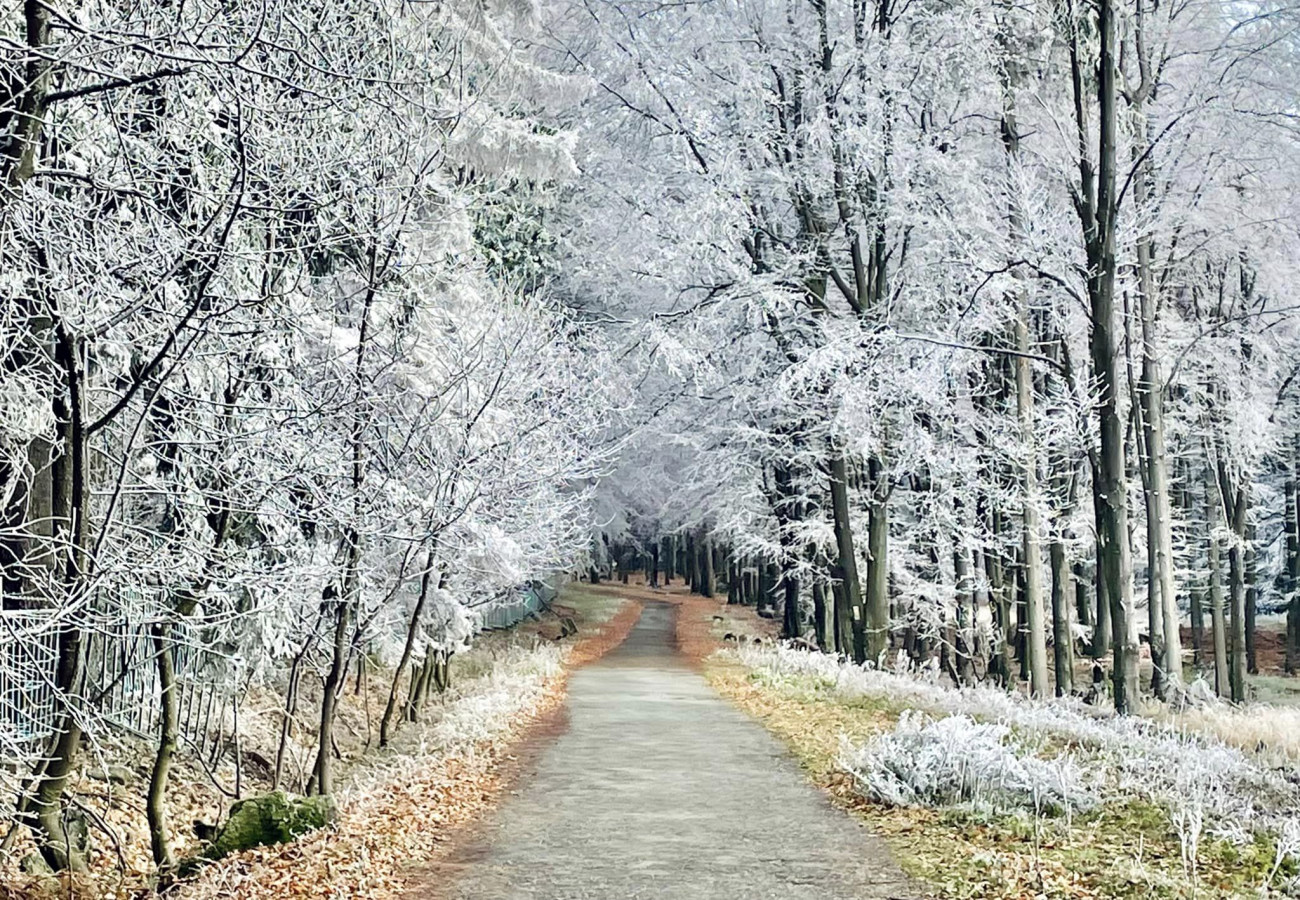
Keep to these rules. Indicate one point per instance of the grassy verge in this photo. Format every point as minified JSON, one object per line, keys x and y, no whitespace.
{"x":1118,"y":850}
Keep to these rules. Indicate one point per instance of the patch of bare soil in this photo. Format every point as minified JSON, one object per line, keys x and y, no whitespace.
{"x":1270,"y":648}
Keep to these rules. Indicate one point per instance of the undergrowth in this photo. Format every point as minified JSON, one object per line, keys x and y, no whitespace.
{"x":985,"y":795}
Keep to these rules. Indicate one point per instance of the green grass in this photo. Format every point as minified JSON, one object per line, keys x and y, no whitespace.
{"x":593,"y":606}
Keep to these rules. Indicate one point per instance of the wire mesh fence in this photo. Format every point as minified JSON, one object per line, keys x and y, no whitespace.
{"x":28,"y":655}
{"x":119,"y":685}
{"x":120,"y":689}
{"x":513,"y":608}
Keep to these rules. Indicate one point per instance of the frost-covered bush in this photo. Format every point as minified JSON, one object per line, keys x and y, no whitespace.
{"x":1208,"y":785}
{"x":484,"y":707}
{"x":957,"y":761}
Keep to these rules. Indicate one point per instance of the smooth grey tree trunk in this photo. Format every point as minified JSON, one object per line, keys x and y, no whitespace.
{"x":1166,"y":642}
{"x":876,"y":613}
{"x":1218,"y":627}
{"x":846,"y":561}
{"x":1097,"y":201}
{"x":1031,"y":538}
{"x":1062,"y":639}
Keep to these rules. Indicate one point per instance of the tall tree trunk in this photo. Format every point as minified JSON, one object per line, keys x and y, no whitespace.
{"x":819,"y":614}
{"x":1033,"y":657}
{"x":1101,"y":630}
{"x":706,"y":565}
{"x":1000,"y":597}
{"x":344,"y":603}
{"x":1097,"y":201}
{"x":156,"y":799}
{"x":1036,"y":635}
{"x":1155,"y":610}
{"x":843,"y":616}
{"x":964,"y":643}
{"x":1291,"y":570}
{"x":68,"y":503}
{"x":1082,"y":599}
{"x":788,"y":509}
{"x":45,"y":812}
{"x":1022,"y":616}
{"x":45,"y":511}
{"x":1252,"y":600}
{"x":1062,"y":639}
{"x":692,"y":564}
{"x":981,"y":651}
{"x":791,"y":619}
{"x":347,"y":599}
{"x":1166,"y":642}
{"x":846,"y":567}
{"x":767,"y":578}
{"x":163,"y":636}
{"x":421,"y":678}
{"x":1198,"y":623}
{"x":876,"y":637}
{"x":1237,"y":601}
{"x":27,"y":104}
{"x":1217,"y":626}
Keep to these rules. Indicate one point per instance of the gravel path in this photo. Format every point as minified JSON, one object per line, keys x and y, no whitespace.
{"x":660,"y":789}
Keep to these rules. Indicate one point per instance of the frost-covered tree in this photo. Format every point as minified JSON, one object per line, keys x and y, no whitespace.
{"x":269,"y":368}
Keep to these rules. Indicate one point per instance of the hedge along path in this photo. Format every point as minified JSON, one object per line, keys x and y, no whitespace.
{"x":658,"y":788}
{"x":402,"y":816}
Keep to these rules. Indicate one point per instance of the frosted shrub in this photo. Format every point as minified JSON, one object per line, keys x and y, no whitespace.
{"x":983,"y":746}
{"x":484,"y":707}
{"x":957,"y":761}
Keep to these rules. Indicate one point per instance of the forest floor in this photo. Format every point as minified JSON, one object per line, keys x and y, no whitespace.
{"x":657,"y":788}
{"x":1125,"y":850}
{"x":397,"y":806}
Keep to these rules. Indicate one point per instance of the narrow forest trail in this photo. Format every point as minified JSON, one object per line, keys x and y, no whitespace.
{"x":658,"y":788}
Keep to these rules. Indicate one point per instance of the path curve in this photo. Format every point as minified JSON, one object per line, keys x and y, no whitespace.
{"x":660,"y":789}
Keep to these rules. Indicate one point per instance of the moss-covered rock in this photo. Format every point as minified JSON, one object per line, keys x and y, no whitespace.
{"x":270,"y":819}
{"x":112,"y":774}
{"x":35,"y":864}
